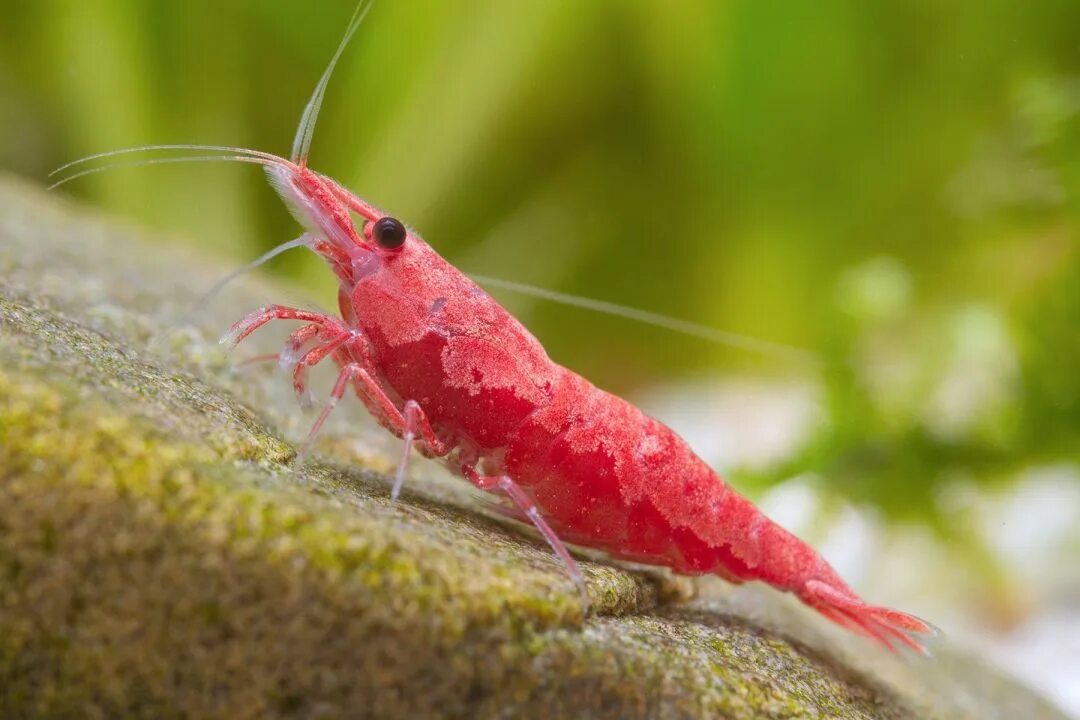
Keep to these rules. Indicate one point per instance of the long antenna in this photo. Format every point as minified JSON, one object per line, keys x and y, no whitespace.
{"x":165,"y":161}
{"x":171,"y":146}
{"x":302,"y":142}
{"x":704,"y":332}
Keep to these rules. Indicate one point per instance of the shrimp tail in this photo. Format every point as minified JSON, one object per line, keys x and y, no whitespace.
{"x":892,"y":628}
{"x":759,"y":549}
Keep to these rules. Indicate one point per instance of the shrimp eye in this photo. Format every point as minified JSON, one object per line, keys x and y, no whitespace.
{"x":388,"y":232}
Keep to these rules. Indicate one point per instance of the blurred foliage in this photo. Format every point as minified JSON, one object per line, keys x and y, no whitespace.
{"x":893,"y":185}
{"x":964,"y":389}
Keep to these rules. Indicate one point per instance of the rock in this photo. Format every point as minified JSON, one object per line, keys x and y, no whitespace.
{"x":159,"y":558}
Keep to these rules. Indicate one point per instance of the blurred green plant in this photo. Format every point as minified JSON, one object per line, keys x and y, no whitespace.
{"x":995,"y":397}
{"x":925,"y":397}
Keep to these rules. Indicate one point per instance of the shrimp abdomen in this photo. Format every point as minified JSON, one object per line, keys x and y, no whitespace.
{"x":608,"y":476}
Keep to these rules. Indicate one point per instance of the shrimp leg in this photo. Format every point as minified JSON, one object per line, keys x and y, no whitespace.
{"x":255,"y":320}
{"x":413,"y":420}
{"x":528,"y":508}
{"x":300,"y":364}
{"x":347,"y":373}
{"x":407,"y":425}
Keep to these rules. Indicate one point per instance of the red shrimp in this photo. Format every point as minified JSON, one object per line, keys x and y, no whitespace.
{"x":443,"y":366}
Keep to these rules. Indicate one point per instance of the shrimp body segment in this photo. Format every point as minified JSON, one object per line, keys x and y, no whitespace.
{"x":440,"y":363}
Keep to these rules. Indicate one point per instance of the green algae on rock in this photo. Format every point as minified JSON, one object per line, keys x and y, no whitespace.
{"x":158,"y":557}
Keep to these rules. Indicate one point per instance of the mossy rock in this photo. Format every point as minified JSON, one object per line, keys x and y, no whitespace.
{"x":159,"y":558}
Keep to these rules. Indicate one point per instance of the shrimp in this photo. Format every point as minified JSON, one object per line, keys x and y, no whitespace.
{"x":444,"y":367}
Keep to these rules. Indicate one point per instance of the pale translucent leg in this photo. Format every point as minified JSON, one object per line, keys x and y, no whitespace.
{"x":248,"y":363}
{"x":411,"y":417}
{"x":296,"y":346}
{"x":529,"y":509}
{"x":290,"y":355}
{"x":255,"y":320}
{"x":347,"y":374}
{"x":410,"y":424}
{"x":299,"y":360}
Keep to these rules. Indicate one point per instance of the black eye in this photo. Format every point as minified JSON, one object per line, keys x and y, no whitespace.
{"x":388,"y":232}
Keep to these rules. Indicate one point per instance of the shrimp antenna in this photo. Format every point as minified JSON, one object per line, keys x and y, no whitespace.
{"x":173,"y":146}
{"x":159,"y":339}
{"x":167,"y":160}
{"x":302,"y":142}
{"x":703,"y":332}
{"x":304,"y":240}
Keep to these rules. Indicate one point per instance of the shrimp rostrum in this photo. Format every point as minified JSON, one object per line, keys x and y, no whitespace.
{"x":443,"y":366}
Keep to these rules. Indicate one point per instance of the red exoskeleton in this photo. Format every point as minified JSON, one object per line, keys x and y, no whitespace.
{"x":443,"y":366}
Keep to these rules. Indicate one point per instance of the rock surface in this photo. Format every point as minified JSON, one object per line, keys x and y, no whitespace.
{"x":159,"y":559}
